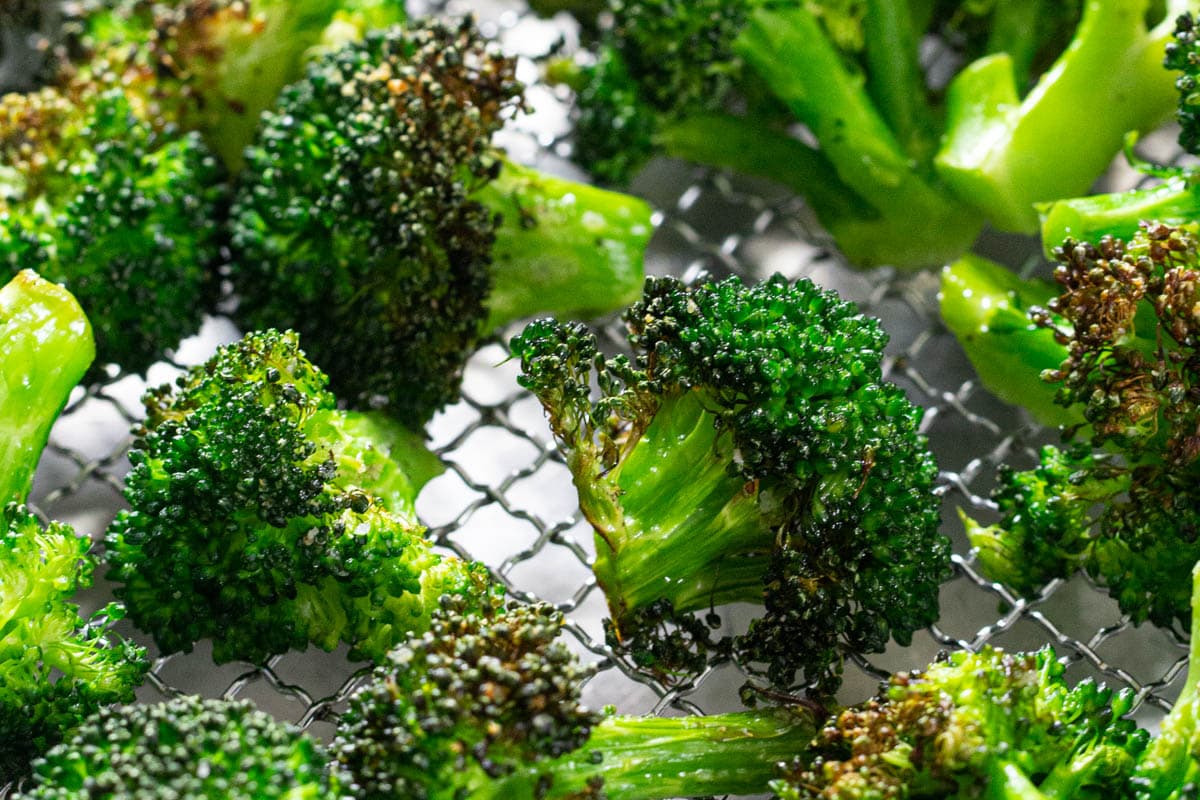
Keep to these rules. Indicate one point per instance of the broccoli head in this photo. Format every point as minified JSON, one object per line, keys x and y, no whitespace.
{"x":987,"y":724}
{"x":264,"y":517}
{"x":187,"y":748}
{"x":56,"y":668}
{"x":1120,"y":501}
{"x":124,"y":215}
{"x":486,"y":705}
{"x":375,"y":218}
{"x":213,"y":66}
{"x":751,"y":452}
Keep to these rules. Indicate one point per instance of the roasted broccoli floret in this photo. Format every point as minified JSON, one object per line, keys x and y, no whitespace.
{"x":987,"y":724}
{"x":213,"y":66}
{"x":375,"y":217}
{"x":486,"y":705}
{"x":266,"y":518}
{"x":1175,"y":200}
{"x":900,"y":172}
{"x":1121,"y":500}
{"x":187,"y":748}
{"x":94,"y":196}
{"x":56,"y":668}
{"x":750,"y":452}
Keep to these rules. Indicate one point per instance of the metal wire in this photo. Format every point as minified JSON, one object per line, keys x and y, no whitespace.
{"x":506,"y":498}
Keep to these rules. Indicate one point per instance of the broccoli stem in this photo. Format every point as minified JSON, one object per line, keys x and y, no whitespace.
{"x":1009,"y":32}
{"x":397,"y":479}
{"x":1004,"y":154}
{"x":1087,"y":219}
{"x":920,"y":224}
{"x":562,"y":247}
{"x":986,"y":307}
{"x":896,"y":81}
{"x":689,"y":532}
{"x":47,"y":345}
{"x":653,"y":758}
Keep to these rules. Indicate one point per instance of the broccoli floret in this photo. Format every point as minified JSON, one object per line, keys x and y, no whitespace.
{"x":751,"y":452}
{"x":214,"y":65}
{"x":375,"y":217}
{"x":187,"y":748}
{"x":126,"y":216}
{"x":264,"y":517}
{"x":486,"y":705}
{"x":56,"y":668}
{"x":987,"y":724}
{"x":899,"y":173}
{"x":1174,"y":201}
{"x":1120,"y":503}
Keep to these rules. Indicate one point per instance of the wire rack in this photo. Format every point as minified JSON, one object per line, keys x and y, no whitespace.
{"x":506,"y":498}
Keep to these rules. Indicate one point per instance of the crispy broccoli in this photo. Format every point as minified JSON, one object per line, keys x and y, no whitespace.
{"x":900,"y":173}
{"x":1174,"y":201}
{"x":125,"y":215}
{"x":751,"y":452}
{"x":988,"y":724}
{"x":375,"y":217}
{"x":1119,"y":502}
{"x":214,"y":65}
{"x":486,"y":705}
{"x":56,"y":668}
{"x":186,"y":748}
{"x":264,"y":517}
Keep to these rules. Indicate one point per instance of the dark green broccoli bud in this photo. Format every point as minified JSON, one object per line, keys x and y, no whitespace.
{"x":125,"y":216}
{"x":486,"y":705}
{"x":187,"y":748}
{"x":988,"y":724}
{"x":1122,"y":502}
{"x":56,"y":668}
{"x":264,"y":517}
{"x":47,"y":345}
{"x":1174,"y":201}
{"x":374,"y":217}
{"x":214,"y":65}
{"x":751,"y":452}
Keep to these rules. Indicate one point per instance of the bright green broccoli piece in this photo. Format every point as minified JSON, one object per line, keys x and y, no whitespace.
{"x":1174,"y":201}
{"x":214,"y":66}
{"x":987,"y":308}
{"x":125,"y":216}
{"x":187,"y":748}
{"x":987,"y":724}
{"x":375,"y":217}
{"x":750,"y":452}
{"x":486,"y":705}
{"x":266,"y":518}
{"x":47,"y":345}
{"x":1120,"y":502}
{"x":56,"y":668}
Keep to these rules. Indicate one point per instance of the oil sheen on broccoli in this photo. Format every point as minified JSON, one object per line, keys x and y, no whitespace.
{"x":751,"y":451}
{"x":486,"y":705}
{"x":265,"y":518}
{"x":899,"y":171}
{"x":974,"y":725}
{"x":94,"y":196}
{"x":187,"y":748}
{"x":1119,"y":499}
{"x":375,"y":217}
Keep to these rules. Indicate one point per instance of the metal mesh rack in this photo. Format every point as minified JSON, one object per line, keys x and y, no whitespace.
{"x":506,"y":498}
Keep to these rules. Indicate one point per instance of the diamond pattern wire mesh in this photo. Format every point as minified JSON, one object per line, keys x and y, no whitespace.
{"x":507,"y":500}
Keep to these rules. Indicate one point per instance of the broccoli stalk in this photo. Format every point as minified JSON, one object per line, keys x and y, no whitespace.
{"x":486,"y":705}
{"x":47,"y":345}
{"x":1004,"y":152}
{"x":989,"y":724}
{"x":186,"y":747}
{"x":751,"y":453}
{"x":375,"y":217}
{"x":266,"y":518}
